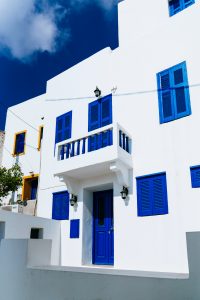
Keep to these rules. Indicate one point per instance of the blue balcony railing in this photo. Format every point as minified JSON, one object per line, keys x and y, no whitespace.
{"x":93,"y":142}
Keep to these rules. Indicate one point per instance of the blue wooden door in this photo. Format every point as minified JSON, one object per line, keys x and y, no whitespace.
{"x":34,"y":187}
{"x":103,"y":230}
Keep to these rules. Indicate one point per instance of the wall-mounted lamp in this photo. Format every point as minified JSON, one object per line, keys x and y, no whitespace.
{"x":97,"y":92}
{"x":124,"y":193}
{"x":73,"y":200}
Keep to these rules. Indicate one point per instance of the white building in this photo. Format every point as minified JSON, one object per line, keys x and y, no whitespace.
{"x":141,"y":134}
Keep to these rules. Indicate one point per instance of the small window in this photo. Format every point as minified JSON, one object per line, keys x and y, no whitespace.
{"x":30,"y":187}
{"x":195,"y":176}
{"x":176,"y":6}
{"x":100,"y":113}
{"x":152,"y":195}
{"x":36,"y":233}
{"x":173,"y":93}
{"x":19,"y":143}
{"x":40,"y":137}
{"x":60,"y":209}
{"x":63,"y":127}
{"x":74,"y":229}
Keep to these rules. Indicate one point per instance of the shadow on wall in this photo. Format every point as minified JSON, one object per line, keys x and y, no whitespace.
{"x":55,"y":285}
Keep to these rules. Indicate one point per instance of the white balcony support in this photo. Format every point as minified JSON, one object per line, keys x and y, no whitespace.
{"x":122,"y":173}
{"x":71,"y":183}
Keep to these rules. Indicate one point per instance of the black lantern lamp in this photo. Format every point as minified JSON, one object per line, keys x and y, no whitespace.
{"x":73,"y":200}
{"x":97,"y":92}
{"x":124,"y":193}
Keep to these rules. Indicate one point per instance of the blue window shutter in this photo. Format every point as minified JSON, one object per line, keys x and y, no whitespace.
{"x":159,"y":188}
{"x":174,"y":7}
{"x":152,"y":195}
{"x":20,"y":143}
{"x":94,"y":115}
{"x":74,"y":229}
{"x":181,"y":90}
{"x":173,"y":93}
{"x":34,"y":186}
{"x":106,"y":110}
{"x":165,"y":97}
{"x":195,"y":176}
{"x":63,"y":127}
{"x":144,"y":197}
{"x":60,"y":208}
{"x":93,"y":142}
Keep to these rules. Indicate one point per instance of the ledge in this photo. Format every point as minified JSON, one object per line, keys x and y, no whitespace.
{"x":107,"y":270}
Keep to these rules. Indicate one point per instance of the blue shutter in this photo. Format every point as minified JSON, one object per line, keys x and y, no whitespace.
{"x":74,"y":229}
{"x":34,"y":187}
{"x":63,"y":127}
{"x":165,"y":97}
{"x":20,"y":143}
{"x":106,"y":110}
{"x":174,"y":7}
{"x":152,"y":195}
{"x":144,"y":197}
{"x":60,"y":209}
{"x":93,"y":142}
{"x":94,"y":115}
{"x":159,"y":188}
{"x":180,"y":90}
{"x":195,"y":176}
{"x":173,"y":93}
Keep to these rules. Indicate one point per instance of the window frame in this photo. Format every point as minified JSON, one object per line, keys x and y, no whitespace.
{"x":182,"y":6}
{"x":40,"y":136}
{"x":153,"y":211}
{"x":15,"y":140}
{"x":25,"y":180}
{"x":172,"y":89}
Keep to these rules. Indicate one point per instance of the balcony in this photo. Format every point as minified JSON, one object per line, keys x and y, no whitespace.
{"x":103,"y":151}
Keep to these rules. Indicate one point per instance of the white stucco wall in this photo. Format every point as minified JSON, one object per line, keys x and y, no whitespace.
{"x":150,"y":41}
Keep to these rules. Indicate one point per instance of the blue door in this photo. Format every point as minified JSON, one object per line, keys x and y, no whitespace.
{"x":34,"y":186}
{"x":103,"y":231}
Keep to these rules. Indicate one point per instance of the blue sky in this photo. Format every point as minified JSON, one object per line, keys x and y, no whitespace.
{"x":38,"y":41}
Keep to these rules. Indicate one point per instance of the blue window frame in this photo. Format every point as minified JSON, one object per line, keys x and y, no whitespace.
{"x":74,"y":229}
{"x":176,"y":6}
{"x":63,"y":127}
{"x":173,"y":93}
{"x":19,"y":144}
{"x":100,"y":113}
{"x":60,"y":208}
{"x":152,"y":195}
{"x":195,"y":176}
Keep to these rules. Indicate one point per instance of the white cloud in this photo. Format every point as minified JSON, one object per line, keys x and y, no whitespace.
{"x":26,"y":29}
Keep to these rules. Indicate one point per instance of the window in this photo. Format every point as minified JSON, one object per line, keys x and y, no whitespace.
{"x":100,"y":113}
{"x":19,"y":143}
{"x":63,"y":127}
{"x":152,"y":195}
{"x":36,"y":233}
{"x":176,"y":6}
{"x":40,"y":137}
{"x":173,"y":93}
{"x":60,"y":209}
{"x":74,"y":229}
{"x":195,"y":176}
{"x":29,"y":188}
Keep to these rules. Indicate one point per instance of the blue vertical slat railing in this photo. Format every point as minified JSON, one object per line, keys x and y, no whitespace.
{"x":124,"y":141}
{"x":78,"y":147}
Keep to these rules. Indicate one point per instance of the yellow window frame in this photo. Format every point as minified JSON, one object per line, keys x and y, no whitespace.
{"x":40,"y":136}
{"x":27,"y":179}
{"x":15,"y":139}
